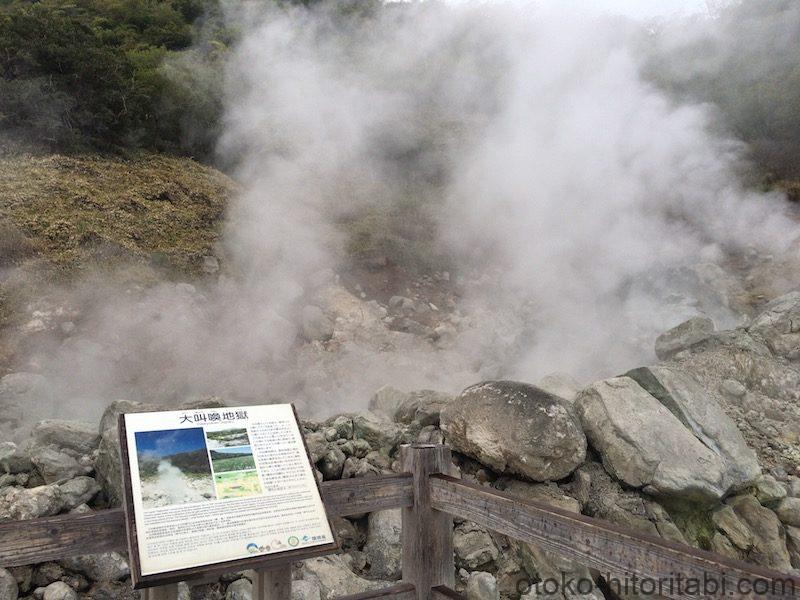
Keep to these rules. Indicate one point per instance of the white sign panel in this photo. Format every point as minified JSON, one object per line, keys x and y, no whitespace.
{"x":215,"y":485}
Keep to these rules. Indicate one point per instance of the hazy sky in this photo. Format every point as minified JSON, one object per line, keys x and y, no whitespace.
{"x":635,"y":8}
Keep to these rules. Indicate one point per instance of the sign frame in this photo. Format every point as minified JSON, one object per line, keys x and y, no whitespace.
{"x":260,"y":562}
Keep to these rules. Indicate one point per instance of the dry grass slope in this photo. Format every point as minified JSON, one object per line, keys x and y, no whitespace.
{"x":76,"y":212}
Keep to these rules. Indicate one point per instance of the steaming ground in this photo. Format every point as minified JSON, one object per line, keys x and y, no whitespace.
{"x":579,"y":212}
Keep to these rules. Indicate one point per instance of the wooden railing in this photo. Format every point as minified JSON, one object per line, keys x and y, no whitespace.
{"x":430,"y":496}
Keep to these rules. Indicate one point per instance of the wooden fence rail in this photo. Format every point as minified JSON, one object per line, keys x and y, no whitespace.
{"x":430,"y":496}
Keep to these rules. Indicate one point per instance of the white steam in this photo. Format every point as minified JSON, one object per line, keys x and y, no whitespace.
{"x":583,"y":209}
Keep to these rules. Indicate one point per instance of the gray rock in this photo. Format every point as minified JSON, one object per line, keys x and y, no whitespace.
{"x":793,"y":487}
{"x":683,"y":336}
{"x":383,"y":548}
{"x":768,"y":490}
{"x":20,"y":393}
{"x":699,"y":412}
{"x":9,"y":589}
{"x":31,"y":503}
{"x":78,"y":491}
{"x":482,"y":586}
{"x":732,"y":389}
{"x":317,"y":445}
{"x":241,"y":589}
{"x":637,"y":435}
{"x":348,"y":534}
{"x":305,"y":590}
{"x":543,"y":493}
{"x":515,"y":428}
{"x":107,"y":566}
{"x":343,"y":426}
{"x":332,"y":463}
{"x":80,"y":436}
{"x":562,"y":385}
{"x":386,"y":401}
{"x":423,"y":406}
{"x":793,"y":545}
{"x":769,"y":546}
{"x":473,"y":546}
{"x":788,"y":511}
{"x":379,"y":433}
{"x":333,"y":577}
{"x":358,"y":467}
{"x":59,"y":590}
{"x":316,"y":325}
{"x":14,"y":460}
{"x":54,"y":465}
{"x":779,"y":326}
{"x":735,"y":530}
{"x":108,"y":468}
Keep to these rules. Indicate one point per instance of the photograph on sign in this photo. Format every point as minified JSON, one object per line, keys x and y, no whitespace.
{"x":215,"y":485}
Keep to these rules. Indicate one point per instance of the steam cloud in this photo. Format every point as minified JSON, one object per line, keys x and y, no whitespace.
{"x":584,"y":208}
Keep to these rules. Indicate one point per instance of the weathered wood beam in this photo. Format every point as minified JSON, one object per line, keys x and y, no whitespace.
{"x":442,"y":592}
{"x":401,"y":591}
{"x":54,"y":538}
{"x":618,"y":551}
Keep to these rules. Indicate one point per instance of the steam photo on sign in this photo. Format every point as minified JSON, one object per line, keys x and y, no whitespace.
{"x":174,"y":467}
{"x":224,"y":438}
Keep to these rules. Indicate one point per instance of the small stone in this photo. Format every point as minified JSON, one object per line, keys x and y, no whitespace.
{"x":54,"y":465}
{"x":482,"y":586}
{"x":380,"y":434}
{"x":788,"y":511}
{"x":332,"y":464}
{"x":733,"y":527}
{"x":13,"y":460}
{"x":383,"y":548}
{"x":305,"y":590}
{"x":732,"y":389}
{"x":9,"y":590}
{"x":344,"y":427}
{"x":107,"y":566}
{"x":768,"y":490}
{"x":241,"y":589}
{"x":80,"y":436}
{"x":78,"y":491}
{"x":386,"y":401}
{"x":683,"y":336}
{"x":59,"y":590}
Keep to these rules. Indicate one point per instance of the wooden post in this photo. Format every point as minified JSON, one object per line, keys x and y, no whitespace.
{"x":162,"y":592}
{"x":427,"y":533}
{"x":273,"y":584}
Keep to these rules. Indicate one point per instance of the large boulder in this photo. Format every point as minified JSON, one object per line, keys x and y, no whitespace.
{"x":779,"y":326}
{"x":637,"y":437}
{"x":699,"y":412}
{"x":108,"y":466}
{"x":515,"y":428}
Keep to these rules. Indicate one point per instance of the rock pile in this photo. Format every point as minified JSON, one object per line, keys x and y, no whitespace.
{"x":727,"y":399}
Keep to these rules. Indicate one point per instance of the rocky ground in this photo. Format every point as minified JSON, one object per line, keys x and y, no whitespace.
{"x":728,"y":399}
